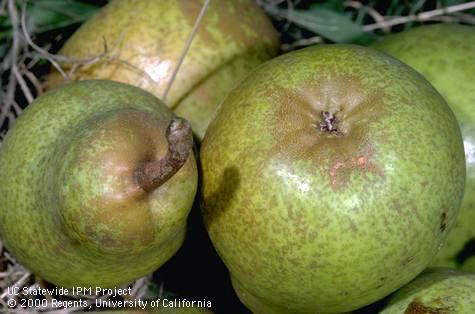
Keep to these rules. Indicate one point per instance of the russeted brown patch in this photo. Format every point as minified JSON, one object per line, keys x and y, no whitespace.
{"x":416,"y":307}
{"x":298,"y":135}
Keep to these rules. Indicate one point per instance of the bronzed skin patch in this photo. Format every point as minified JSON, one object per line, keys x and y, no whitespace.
{"x":322,"y":121}
{"x":120,"y":215}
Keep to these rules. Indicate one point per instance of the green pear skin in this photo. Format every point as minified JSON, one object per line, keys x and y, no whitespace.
{"x":438,"y":291}
{"x":443,"y":53}
{"x":145,"y":40}
{"x":469,"y":264}
{"x":313,"y":214}
{"x":70,"y":210}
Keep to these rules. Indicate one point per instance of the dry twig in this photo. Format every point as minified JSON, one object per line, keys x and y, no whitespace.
{"x":379,"y":18}
{"x":421,"y":17}
{"x":186,"y":48}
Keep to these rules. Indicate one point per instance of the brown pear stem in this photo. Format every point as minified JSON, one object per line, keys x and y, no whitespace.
{"x":329,"y":122}
{"x":150,"y":175}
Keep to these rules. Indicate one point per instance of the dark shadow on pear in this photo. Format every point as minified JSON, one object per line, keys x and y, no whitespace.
{"x":196,"y":272}
{"x":467,"y":252}
{"x":218,"y":201}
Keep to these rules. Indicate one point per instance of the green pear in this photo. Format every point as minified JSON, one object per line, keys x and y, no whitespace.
{"x":437,"y":291}
{"x":97,"y":182}
{"x":321,"y":189}
{"x":443,"y":53}
{"x":145,"y":40}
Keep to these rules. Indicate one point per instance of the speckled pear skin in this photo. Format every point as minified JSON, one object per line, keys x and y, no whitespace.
{"x":438,"y":291}
{"x":148,"y":36}
{"x":443,"y":53}
{"x":70,"y":210}
{"x":469,"y":264}
{"x":310,"y":221}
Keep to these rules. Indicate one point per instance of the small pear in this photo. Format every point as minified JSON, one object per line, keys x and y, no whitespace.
{"x":435,"y":291}
{"x":98,"y":179}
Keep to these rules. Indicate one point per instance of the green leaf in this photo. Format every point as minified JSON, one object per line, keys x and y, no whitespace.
{"x":452,"y":2}
{"x":414,"y":9}
{"x":153,"y":292}
{"x":333,"y":5}
{"x":5,"y":28}
{"x":396,"y":8}
{"x":4,"y":35}
{"x":4,"y":22}
{"x":331,"y":25}
{"x":46,"y":15}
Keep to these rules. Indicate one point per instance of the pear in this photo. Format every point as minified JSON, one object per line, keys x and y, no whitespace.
{"x":443,"y":53}
{"x":438,"y":291}
{"x":97,"y":182}
{"x":322,"y":191}
{"x":145,"y":40}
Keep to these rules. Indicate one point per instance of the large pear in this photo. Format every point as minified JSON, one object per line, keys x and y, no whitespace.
{"x":445,"y":55}
{"x":437,"y":291}
{"x":145,"y":40}
{"x":331,"y":176}
{"x":97,"y":182}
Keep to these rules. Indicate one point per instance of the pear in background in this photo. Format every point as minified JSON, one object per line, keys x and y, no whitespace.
{"x":145,"y":40}
{"x":445,"y":55}
{"x":438,"y":291}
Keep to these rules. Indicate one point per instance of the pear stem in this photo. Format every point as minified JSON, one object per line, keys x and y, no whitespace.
{"x":329,"y":122}
{"x":152,"y":174}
